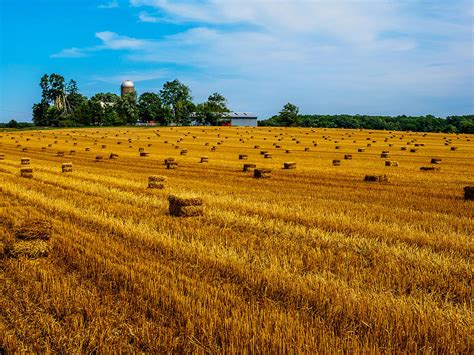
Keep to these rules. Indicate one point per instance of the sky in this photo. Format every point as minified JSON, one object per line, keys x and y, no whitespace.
{"x":377,"y":57}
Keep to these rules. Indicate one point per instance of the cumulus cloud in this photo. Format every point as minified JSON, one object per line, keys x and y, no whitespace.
{"x":349,"y":54}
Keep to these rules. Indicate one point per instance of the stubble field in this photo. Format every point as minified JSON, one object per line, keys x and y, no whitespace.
{"x":312,"y":259}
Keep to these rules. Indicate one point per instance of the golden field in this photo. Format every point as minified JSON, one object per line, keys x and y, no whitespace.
{"x":311,"y":260}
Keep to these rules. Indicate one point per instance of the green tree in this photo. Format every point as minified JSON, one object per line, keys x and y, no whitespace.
{"x":102,"y":109}
{"x":12,"y":124}
{"x":177,"y":97}
{"x":288,"y":116}
{"x":40,"y":111}
{"x":150,"y":107}
{"x":216,"y":107}
{"x":127,"y":108}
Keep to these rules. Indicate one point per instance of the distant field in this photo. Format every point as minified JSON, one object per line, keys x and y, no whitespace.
{"x":312,"y":259}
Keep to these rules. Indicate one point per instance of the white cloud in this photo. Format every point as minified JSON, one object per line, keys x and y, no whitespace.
{"x":136,"y":76}
{"x":70,"y":53}
{"x":112,"y":40}
{"x":110,"y":5}
{"x":320,"y":54}
{"x":146,"y":17}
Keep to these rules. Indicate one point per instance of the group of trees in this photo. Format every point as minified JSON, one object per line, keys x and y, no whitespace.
{"x":289,"y":117}
{"x":62,"y":105}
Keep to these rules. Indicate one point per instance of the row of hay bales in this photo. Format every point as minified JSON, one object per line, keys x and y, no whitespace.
{"x":158,"y":181}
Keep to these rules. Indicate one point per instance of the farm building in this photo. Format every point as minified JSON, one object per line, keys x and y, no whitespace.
{"x":240,"y":119}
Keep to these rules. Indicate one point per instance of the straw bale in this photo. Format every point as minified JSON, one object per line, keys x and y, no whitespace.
{"x":156,"y":182}
{"x":469,"y":193}
{"x":249,"y":166}
{"x":262,"y":173}
{"x":376,"y":178}
{"x":185,"y":206}
{"x":30,"y":249}
{"x":34,"y":228}
{"x":26,"y":173}
{"x":430,"y":168}
{"x":66,"y":167}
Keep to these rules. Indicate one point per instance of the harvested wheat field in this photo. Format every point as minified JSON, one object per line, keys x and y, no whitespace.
{"x":313,"y":259}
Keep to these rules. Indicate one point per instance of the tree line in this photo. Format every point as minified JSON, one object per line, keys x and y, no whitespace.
{"x":289,"y":117}
{"x":62,"y":105}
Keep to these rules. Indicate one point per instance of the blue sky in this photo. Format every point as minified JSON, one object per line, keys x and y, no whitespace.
{"x":327,"y":57}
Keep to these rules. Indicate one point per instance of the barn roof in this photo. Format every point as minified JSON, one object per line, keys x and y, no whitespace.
{"x":241,"y":115}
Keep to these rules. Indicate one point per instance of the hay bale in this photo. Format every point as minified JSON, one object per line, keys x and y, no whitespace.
{"x":2,"y":156}
{"x":376,"y":178}
{"x":30,"y":249}
{"x":248,"y":167}
{"x":361,"y":150}
{"x":430,"y":168}
{"x":403,"y":148}
{"x":87,"y":149}
{"x":307,"y":149}
{"x":98,"y":158}
{"x":262,"y":173}
{"x":171,"y":165}
{"x":24,"y":150}
{"x":144,"y":154}
{"x":256,"y":147}
{"x":243,"y":156}
{"x":413,"y":150}
{"x":156,"y":182}
{"x":72,"y":152}
{"x":25,"y":161}
{"x":369,"y":145}
{"x":289,"y":165}
{"x":347,"y":156}
{"x":336,"y":162}
{"x":338,"y":147}
{"x":26,"y":173}
{"x":185,"y":206}
{"x":385,"y":155}
{"x":169,"y":160}
{"x":213,"y":149}
{"x":103,"y":146}
{"x":113,"y":156}
{"x":263,"y":152}
{"x":288,"y":151}
{"x":204,"y":159}
{"x":183,"y":152}
{"x":60,"y":154}
{"x":268,"y":156}
{"x":66,"y":167}
{"x":469,"y":193}
{"x":435,"y":161}
{"x":391,"y":163}
{"x":454,"y":148}
{"x":34,"y":228}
